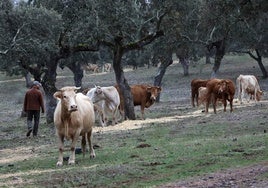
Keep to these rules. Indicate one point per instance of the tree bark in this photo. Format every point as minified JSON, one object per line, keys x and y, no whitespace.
{"x":49,"y":87}
{"x":75,"y":67}
{"x":123,"y":84}
{"x":161,"y":72}
{"x":259,"y":60}
{"x":185,"y":65}
{"x":220,"y":52}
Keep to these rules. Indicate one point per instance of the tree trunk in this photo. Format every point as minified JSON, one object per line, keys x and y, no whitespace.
{"x":49,"y":87}
{"x":75,"y":67}
{"x":208,"y":55}
{"x":161,"y":72}
{"x":259,"y":60}
{"x":185,"y":65}
{"x":28,"y":79}
{"x":122,"y":83}
{"x":220,"y":52}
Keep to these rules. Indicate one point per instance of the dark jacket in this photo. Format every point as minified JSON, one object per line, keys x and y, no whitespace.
{"x":33,"y":100}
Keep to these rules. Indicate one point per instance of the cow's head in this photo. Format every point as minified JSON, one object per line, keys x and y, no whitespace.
{"x":96,"y":94}
{"x":154,"y":91}
{"x":67,"y":96}
{"x":222,"y":86}
{"x":259,"y":95}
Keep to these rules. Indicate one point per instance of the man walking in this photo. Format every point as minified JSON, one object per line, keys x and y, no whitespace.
{"x":33,"y":101}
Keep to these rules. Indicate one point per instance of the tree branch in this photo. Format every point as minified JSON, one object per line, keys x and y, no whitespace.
{"x":13,"y":42}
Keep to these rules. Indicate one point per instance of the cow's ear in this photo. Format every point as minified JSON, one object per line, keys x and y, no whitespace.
{"x":149,"y":89}
{"x":159,"y":89}
{"x":57,"y":95}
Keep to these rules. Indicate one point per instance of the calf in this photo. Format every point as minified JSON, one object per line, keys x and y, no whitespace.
{"x":195,"y":85}
{"x":223,"y":89}
{"x":73,"y":117}
{"x":202,"y":93}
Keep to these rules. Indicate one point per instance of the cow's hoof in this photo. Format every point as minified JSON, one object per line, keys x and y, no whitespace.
{"x":92,"y":156}
{"x":71,"y":162}
{"x":59,"y":163}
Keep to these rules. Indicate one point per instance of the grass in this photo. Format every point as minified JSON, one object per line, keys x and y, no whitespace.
{"x":183,"y":144}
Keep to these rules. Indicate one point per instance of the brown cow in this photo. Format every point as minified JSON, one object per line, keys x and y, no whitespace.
{"x":223,"y":89}
{"x":73,"y":117}
{"x":143,"y":95}
{"x":195,"y":85}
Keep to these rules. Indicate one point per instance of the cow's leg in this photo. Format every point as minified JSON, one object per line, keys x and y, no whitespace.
{"x":193,"y":97}
{"x":89,"y":138}
{"x":83,"y":144}
{"x":208,"y":98}
{"x":142,"y":111}
{"x":224,"y":104}
{"x":231,"y":105}
{"x":61,"y":148}
{"x":196,"y":99}
{"x":214,"y":101}
{"x":255,"y":94}
{"x":242,"y":95}
{"x":73,"y":144}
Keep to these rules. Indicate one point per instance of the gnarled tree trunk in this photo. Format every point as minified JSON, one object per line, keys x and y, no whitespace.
{"x":220,"y":52}
{"x":122,"y":83}
{"x":49,"y":87}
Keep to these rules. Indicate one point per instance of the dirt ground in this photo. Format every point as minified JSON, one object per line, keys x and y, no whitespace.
{"x":235,"y":178}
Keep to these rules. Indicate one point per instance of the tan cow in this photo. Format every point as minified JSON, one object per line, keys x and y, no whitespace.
{"x":73,"y":117}
{"x":90,"y":67}
{"x":107,"y":98}
{"x":202,"y":93}
{"x":143,"y":95}
{"x":248,"y":84}
{"x":107,"y":67}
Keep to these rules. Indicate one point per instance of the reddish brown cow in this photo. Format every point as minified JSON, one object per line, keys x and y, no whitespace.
{"x":195,"y":85}
{"x":143,"y":95}
{"x":223,"y":89}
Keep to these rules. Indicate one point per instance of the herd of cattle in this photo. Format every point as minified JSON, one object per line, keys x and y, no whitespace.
{"x":223,"y":90}
{"x":74,"y":115}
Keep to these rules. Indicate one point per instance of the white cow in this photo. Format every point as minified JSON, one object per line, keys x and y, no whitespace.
{"x":248,"y":84}
{"x":73,"y":117}
{"x":107,"y":98}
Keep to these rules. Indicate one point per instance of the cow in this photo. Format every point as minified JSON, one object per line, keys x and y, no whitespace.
{"x":107,"y":98}
{"x":195,"y":85}
{"x":248,"y":84}
{"x":73,"y":117}
{"x":107,"y":67}
{"x":223,"y":89}
{"x":90,"y":67}
{"x":144,"y":95}
{"x":202,"y":93}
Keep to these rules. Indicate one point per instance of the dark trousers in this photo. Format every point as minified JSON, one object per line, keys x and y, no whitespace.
{"x":33,"y":114}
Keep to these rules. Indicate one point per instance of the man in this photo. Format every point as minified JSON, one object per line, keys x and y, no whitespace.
{"x":33,"y":101}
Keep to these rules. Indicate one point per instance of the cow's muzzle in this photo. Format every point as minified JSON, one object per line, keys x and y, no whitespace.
{"x":153,"y":98}
{"x":73,"y":108}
